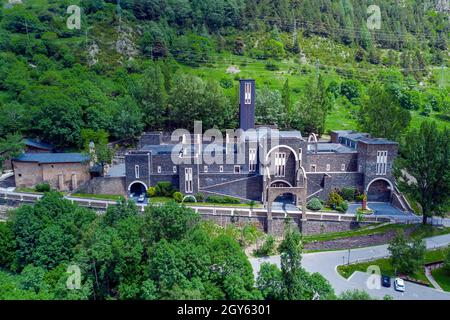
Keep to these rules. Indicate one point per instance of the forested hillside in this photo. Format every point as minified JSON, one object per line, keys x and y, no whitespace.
{"x":137,"y":65}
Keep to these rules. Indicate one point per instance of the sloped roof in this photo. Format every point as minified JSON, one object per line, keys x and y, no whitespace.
{"x":38,"y":144}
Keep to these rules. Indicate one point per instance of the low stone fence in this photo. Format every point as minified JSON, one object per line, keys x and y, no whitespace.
{"x":315,"y":223}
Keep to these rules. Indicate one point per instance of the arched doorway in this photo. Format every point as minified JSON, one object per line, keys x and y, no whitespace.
{"x":286,"y":200}
{"x":137,"y":189}
{"x":379,"y":190}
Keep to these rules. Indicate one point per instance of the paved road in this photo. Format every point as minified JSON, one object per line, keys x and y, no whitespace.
{"x":326,"y":263}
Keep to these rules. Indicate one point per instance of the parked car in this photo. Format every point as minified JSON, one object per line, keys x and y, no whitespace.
{"x":399,"y":285}
{"x":386,"y":281}
{"x":141,"y":198}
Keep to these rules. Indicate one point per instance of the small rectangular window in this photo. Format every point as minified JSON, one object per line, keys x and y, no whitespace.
{"x":248,"y":93}
{"x":343,"y":167}
{"x":382,"y":162}
{"x":313,"y":168}
{"x":237,"y":169}
{"x":136,"y":171}
{"x":221,"y":168}
{"x":328,"y":167}
{"x":188,"y":180}
{"x":205,"y":169}
{"x":252,"y":160}
{"x":159,"y":169}
{"x":280,"y":164}
{"x":175,"y":169}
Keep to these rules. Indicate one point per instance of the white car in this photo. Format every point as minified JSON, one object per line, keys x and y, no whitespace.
{"x":399,"y":285}
{"x":141,"y":199}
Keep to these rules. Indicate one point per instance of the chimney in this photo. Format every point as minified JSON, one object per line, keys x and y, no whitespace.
{"x":247,"y":104}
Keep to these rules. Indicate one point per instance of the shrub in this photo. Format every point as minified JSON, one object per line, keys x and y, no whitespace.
{"x":348,"y":194}
{"x":226,"y":83}
{"x":315,"y":204}
{"x":334,"y":200}
{"x":271,"y":66}
{"x":343,"y":207}
{"x":267,"y":249}
{"x":178,"y":197}
{"x":447,"y":261}
{"x":151,"y":192}
{"x":200,"y":197}
{"x":223,"y":200}
{"x":360,"y":197}
{"x":43,"y":187}
{"x":164,"y":189}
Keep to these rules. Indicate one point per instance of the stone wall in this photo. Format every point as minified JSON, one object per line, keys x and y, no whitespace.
{"x":104,"y":185}
{"x":28,"y":174}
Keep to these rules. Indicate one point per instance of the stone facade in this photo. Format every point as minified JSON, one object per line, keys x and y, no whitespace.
{"x":303,"y":167}
{"x":61,"y":176}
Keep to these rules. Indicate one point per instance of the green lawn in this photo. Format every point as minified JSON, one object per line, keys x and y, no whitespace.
{"x":386,"y":268}
{"x":98,"y":196}
{"x":354,"y":233}
{"x":428,"y":231}
{"x":442,"y":277}
{"x":162,"y":200}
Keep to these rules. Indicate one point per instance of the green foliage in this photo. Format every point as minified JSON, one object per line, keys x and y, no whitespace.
{"x":334,"y":200}
{"x":351,"y":89}
{"x":269,"y":107}
{"x":447,"y":261}
{"x":315,"y":204}
{"x":267,"y":249}
{"x":178,"y":197}
{"x":42,"y":187}
{"x":274,"y":49}
{"x":151,"y":192}
{"x":381,"y":114}
{"x":406,"y":258}
{"x":200,"y":197}
{"x":355,"y":295}
{"x":10,"y":146}
{"x":343,"y":207}
{"x":222,"y":200}
{"x":7,"y":245}
{"x":425,"y":155}
{"x":164,"y":189}
{"x":102,"y":153}
{"x":170,"y":222}
{"x":348,"y":193}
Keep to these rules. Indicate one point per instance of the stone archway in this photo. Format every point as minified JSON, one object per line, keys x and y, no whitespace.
{"x":379,"y":190}
{"x":137,"y":188}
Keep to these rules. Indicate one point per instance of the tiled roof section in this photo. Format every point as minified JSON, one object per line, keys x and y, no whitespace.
{"x":53,"y":157}
{"x":38,"y":144}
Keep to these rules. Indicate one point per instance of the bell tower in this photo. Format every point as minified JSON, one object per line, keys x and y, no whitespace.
{"x":247,"y":104}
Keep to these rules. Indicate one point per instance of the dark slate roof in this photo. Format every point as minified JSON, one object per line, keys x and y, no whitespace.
{"x":377,"y":141}
{"x":331,"y":147}
{"x":53,"y":157}
{"x":38,"y":144}
{"x":158,"y":149}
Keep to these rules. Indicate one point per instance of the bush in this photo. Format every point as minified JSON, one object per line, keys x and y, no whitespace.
{"x":334,"y":200}
{"x":226,"y":83}
{"x":271,"y":66}
{"x":151,"y":192}
{"x":223,"y":200}
{"x":315,"y":204}
{"x":164,"y":189}
{"x":267,"y":249}
{"x":447,"y":261}
{"x":200,"y":197}
{"x":359,"y":197}
{"x":343,"y":207}
{"x":43,"y":187}
{"x":348,"y":194}
{"x":178,"y":197}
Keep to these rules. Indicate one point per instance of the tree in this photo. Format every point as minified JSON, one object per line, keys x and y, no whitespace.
{"x":270,"y":282}
{"x":269,"y":107}
{"x":7,"y":245}
{"x":315,"y":107}
{"x":170,"y":222}
{"x":407,"y":258}
{"x":286,"y":97}
{"x":425,"y":156}
{"x":102,"y":153}
{"x":11,"y":146}
{"x":381,"y":115}
{"x":149,"y":92}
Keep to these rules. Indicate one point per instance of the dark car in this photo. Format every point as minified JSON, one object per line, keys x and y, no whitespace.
{"x":386,"y":281}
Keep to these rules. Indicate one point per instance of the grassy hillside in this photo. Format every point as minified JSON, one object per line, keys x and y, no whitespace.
{"x":54,"y":81}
